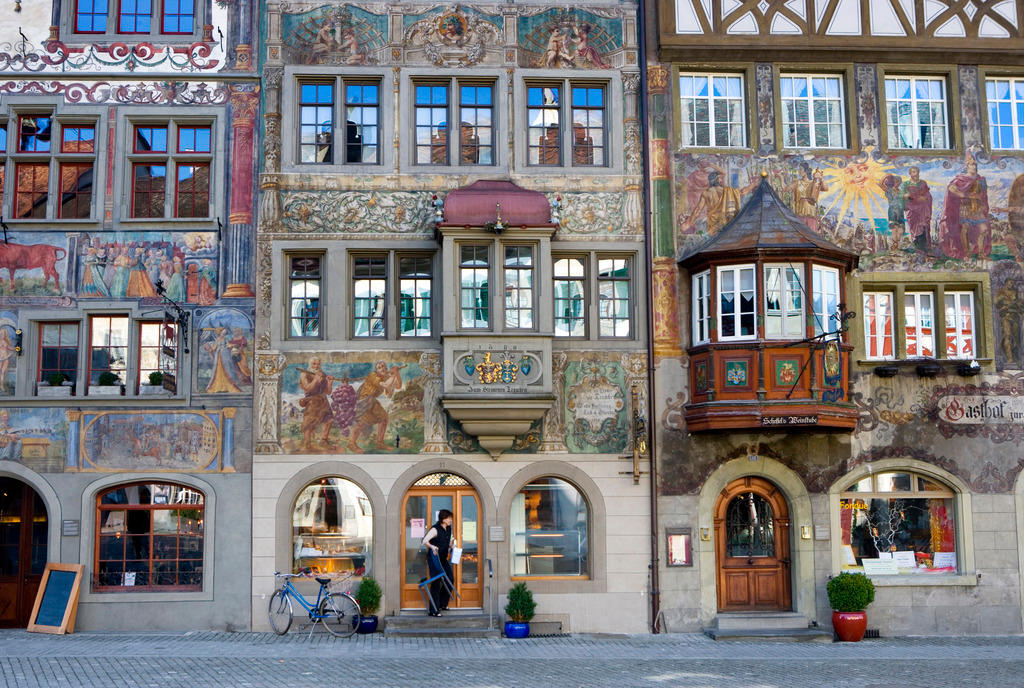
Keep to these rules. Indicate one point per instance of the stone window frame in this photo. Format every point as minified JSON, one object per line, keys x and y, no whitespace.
{"x":30,"y":321}
{"x":967,"y":575}
{"x":69,"y":12}
{"x":88,"y":540}
{"x":986,"y":74}
{"x":952,"y":85}
{"x":294,"y":76}
{"x":900,"y":283}
{"x":597,"y":581}
{"x":11,"y":110}
{"x":611,"y":80}
{"x":453,"y":106}
{"x":746,"y":72}
{"x":392,"y":278}
{"x":127,"y":119}
{"x":496,"y":78}
{"x":844,"y":72}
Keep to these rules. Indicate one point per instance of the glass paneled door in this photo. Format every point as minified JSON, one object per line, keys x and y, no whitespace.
{"x":422,"y":503}
{"x":23,"y":537}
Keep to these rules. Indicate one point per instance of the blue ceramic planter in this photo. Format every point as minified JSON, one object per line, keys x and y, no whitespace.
{"x":367,"y":624}
{"x":516,"y":630}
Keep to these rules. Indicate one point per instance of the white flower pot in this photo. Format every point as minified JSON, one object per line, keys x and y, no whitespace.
{"x":153,"y":391}
{"x":45,"y":389}
{"x":106,"y":390}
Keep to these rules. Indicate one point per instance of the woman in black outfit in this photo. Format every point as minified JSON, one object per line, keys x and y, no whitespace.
{"x":439,"y":541}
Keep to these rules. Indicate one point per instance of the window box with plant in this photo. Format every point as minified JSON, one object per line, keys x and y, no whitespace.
{"x":107,"y":384}
{"x":520,"y":609}
{"x":55,"y":385}
{"x":849,"y":594}
{"x":368,"y":596}
{"x":155,"y":386}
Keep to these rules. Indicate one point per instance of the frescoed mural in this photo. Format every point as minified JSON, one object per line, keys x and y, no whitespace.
{"x":596,"y":418}
{"x":570,"y":38}
{"x":33,"y":264}
{"x":929,"y":213}
{"x":167,"y":440}
{"x":36,"y":437}
{"x":345,"y":35}
{"x":8,"y":356}
{"x":131,"y":264}
{"x":224,"y":363}
{"x":344,"y":403}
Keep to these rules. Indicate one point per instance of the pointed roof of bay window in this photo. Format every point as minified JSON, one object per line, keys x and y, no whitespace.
{"x":764,"y":226}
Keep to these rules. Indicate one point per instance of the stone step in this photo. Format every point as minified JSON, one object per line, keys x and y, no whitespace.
{"x":450,"y":619}
{"x":441,"y":632}
{"x":738,"y":621}
{"x":812,"y":635}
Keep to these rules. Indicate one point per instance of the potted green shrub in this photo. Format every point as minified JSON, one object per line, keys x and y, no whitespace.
{"x":56,"y":384}
{"x":368,"y":596}
{"x":520,"y":608}
{"x":849,"y":594}
{"x":107,"y":384}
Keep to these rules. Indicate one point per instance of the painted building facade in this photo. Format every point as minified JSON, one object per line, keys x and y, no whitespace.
{"x":814,"y":414}
{"x":127,"y":138}
{"x":453,"y":321}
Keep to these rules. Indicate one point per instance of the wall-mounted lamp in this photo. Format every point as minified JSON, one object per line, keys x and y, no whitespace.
{"x":499,"y":226}
{"x":805,"y":532}
{"x":705,"y":535}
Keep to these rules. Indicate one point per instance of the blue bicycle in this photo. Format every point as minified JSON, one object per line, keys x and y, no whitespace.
{"x":337,"y":611}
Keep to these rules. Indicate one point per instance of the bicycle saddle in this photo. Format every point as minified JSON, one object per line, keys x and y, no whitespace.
{"x":322,"y":581}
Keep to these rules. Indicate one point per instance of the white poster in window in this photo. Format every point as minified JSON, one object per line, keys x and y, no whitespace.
{"x":879,"y":567}
{"x":129,"y":578}
{"x":944,"y":560}
{"x":469,"y":531}
{"x":417,"y":528}
{"x":456,"y":555}
{"x":849,"y":558}
{"x":905,"y":560}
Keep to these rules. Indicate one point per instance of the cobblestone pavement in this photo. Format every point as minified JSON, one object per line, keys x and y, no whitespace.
{"x":197,"y":659}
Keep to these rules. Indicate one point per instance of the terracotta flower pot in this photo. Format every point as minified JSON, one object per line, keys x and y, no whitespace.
{"x":850,"y":626}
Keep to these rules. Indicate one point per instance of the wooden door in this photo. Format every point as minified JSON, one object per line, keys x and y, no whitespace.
{"x":23,"y":537}
{"x":419,"y":512}
{"x":752,"y":547}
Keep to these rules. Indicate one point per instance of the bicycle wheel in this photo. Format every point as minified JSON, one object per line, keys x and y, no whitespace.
{"x":339,"y":614}
{"x":280,"y":612}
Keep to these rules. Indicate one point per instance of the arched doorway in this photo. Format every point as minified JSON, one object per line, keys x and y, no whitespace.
{"x":752,"y":547}
{"x":420,"y":506}
{"x":23,"y":546}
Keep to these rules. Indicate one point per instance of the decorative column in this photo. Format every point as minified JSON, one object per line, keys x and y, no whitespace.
{"x":664,"y":273}
{"x":435,"y":440}
{"x":633,"y":150}
{"x":74,"y":427}
{"x":553,"y":430}
{"x":238,"y":241}
{"x":227,"y":447}
{"x":268,"y":418}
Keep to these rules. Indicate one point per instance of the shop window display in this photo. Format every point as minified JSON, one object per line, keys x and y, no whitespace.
{"x":902,"y":516}
{"x":151,"y":537}
{"x":549,"y":524}
{"x":332,"y":528}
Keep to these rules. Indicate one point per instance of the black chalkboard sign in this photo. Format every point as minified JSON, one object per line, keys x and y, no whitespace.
{"x":57,"y":599}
